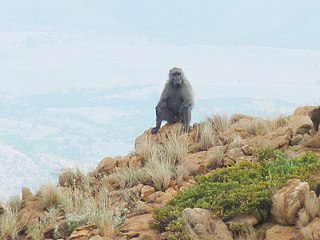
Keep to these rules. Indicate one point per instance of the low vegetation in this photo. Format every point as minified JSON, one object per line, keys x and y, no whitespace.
{"x":247,"y":187}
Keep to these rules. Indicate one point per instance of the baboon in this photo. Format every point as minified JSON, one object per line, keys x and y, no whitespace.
{"x":176,"y":101}
{"x":315,"y":117}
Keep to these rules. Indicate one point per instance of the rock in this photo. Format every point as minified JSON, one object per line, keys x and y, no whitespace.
{"x":136,"y":162}
{"x":84,"y":232}
{"x":152,"y":198}
{"x":140,"y":227}
{"x":283,"y":232}
{"x":302,"y":111}
{"x":196,"y":163}
{"x":106,"y":166}
{"x":247,"y":150}
{"x":204,"y":226}
{"x":303,"y":129}
{"x":234,"y":154}
{"x":296,"y":139}
{"x":169,"y":194}
{"x":280,"y":138}
{"x":246,"y":220}
{"x":26,"y":194}
{"x":146,"y":191}
{"x":313,"y":142}
{"x":99,"y":238}
{"x":288,"y":201}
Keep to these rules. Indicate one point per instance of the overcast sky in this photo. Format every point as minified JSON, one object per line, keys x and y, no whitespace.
{"x":48,"y":45}
{"x":284,"y":23}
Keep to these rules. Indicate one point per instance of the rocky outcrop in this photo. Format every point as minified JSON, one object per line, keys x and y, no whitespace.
{"x":274,"y":140}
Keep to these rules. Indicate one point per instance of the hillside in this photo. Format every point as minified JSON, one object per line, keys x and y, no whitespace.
{"x":241,"y":177}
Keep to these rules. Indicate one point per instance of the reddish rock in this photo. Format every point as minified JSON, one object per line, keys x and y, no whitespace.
{"x":303,"y":111}
{"x":140,"y":227}
{"x":196,"y":163}
{"x":146,"y":191}
{"x":106,"y":166}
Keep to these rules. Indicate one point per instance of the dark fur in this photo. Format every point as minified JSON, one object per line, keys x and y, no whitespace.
{"x":176,"y":101}
{"x":315,"y":117}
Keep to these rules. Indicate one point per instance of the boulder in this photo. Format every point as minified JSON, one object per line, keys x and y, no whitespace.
{"x":313,"y":142}
{"x":196,"y":163}
{"x":277,"y":139}
{"x":106,"y":166}
{"x":296,"y":139}
{"x":203,"y":226}
{"x":247,"y":150}
{"x":288,"y":201}
{"x":140,"y":227}
{"x":146,"y":191}
{"x":303,"y":129}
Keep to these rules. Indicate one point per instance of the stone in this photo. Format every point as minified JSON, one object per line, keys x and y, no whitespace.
{"x":196,"y":163}
{"x":277,"y":139}
{"x":106,"y":166}
{"x":313,"y":142}
{"x":235,"y":154}
{"x":84,"y":232}
{"x":202,"y":225}
{"x":303,"y":129}
{"x":169,"y":194}
{"x":140,"y":227}
{"x":283,"y":232}
{"x":296,"y":139}
{"x":247,"y":150}
{"x":146,"y":191}
{"x":136,"y":162}
{"x":288,"y":201}
{"x":237,"y":117}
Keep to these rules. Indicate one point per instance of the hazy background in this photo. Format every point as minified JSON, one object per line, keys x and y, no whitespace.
{"x":79,"y":79}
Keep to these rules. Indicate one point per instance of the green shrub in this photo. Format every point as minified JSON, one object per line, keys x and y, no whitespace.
{"x":243,"y":188}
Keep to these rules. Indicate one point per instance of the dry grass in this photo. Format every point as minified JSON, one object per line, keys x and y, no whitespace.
{"x":53,"y":196}
{"x":237,"y":142}
{"x":211,"y":130}
{"x":307,"y":233}
{"x":129,"y":177}
{"x":279,"y":209}
{"x":215,"y":156}
{"x":146,"y":147}
{"x":74,"y":178}
{"x":303,"y":219}
{"x":160,"y":171}
{"x":175,"y":146}
{"x":207,"y":136}
{"x":312,"y":205}
{"x":182,"y":174}
{"x":14,"y":203}
{"x":37,"y":230}
{"x":9,"y":225}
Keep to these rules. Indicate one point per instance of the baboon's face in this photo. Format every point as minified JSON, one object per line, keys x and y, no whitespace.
{"x":177,"y":79}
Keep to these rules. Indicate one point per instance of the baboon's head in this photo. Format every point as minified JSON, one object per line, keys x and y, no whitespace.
{"x":176,"y":76}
